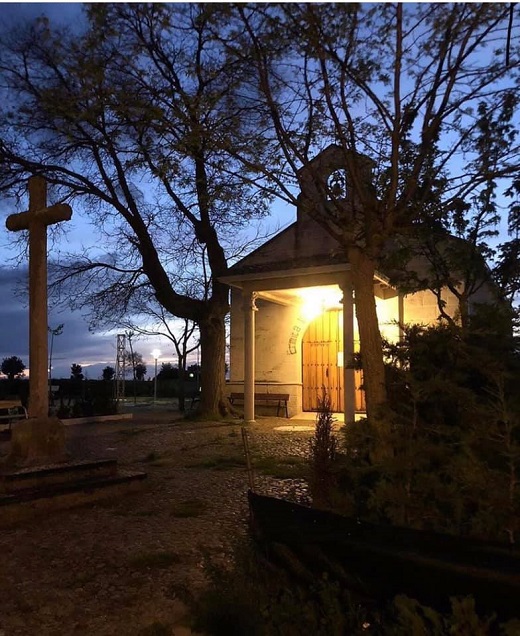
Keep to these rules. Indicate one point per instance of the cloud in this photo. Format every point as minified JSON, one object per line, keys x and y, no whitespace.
{"x":14,"y":321}
{"x":76,"y":345}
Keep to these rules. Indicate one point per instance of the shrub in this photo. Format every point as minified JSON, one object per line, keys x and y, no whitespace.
{"x":254,"y":597}
{"x":454,"y":425}
{"x":322,"y":453}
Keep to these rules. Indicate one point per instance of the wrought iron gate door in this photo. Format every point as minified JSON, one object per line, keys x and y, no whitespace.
{"x":322,"y":354}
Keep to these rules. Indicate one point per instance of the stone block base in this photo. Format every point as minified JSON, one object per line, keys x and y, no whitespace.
{"x":37,"y":441}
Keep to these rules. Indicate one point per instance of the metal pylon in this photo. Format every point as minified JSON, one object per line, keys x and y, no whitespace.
{"x":119,"y":380}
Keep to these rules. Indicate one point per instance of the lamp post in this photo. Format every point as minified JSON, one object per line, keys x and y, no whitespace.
{"x":54,"y":332}
{"x":156,"y":353}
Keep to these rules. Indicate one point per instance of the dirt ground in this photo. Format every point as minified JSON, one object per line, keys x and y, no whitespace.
{"x":121,"y":566}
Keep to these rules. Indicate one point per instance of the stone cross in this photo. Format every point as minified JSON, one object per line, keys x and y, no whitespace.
{"x":36,"y":220}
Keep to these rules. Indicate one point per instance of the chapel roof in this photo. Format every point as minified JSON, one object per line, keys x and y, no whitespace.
{"x":302,"y":244}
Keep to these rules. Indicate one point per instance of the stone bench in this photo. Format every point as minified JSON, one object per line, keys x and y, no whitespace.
{"x":281,"y":399}
{"x":12,"y":410}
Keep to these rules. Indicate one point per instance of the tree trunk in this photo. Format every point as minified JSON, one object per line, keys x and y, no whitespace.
{"x":212,"y":351}
{"x":463,"y":311}
{"x":363,"y":270}
{"x":181,"y":360}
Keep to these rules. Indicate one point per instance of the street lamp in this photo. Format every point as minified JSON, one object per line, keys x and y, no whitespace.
{"x":54,"y":332}
{"x":156,"y":353}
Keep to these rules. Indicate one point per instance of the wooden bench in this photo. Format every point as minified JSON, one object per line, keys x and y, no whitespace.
{"x":281,"y":400}
{"x":12,"y":410}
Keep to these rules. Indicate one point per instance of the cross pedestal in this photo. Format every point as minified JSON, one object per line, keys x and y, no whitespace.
{"x":40,"y":437}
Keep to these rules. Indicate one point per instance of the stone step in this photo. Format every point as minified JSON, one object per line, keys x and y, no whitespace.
{"x":24,"y":504}
{"x":42,"y":476}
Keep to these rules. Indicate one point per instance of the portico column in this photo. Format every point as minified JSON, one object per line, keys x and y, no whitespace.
{"x":400,"y":315}
{"x":349,"y":381}
{"x":249,"y":356}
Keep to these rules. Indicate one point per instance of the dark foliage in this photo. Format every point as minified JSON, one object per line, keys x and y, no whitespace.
{"x":322,"y":449}
{"x":12,"y":367}
{"x":454,"y":416}
{"x":76,"y":372}
{"x":108,"y":373}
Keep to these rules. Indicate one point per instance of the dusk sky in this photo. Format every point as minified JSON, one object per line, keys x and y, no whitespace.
{"x":76,"y":344}
{"x":93,"y":351}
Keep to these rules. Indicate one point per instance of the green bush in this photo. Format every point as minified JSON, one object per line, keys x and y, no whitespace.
{"x":256,"y":597}
{"x":101,"y":397}
{"x":453,"y":422}
{"x":407,"y":617}
{"x":322,"y":454}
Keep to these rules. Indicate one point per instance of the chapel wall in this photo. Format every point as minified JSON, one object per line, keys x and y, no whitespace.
{"x":278,"y":332}
{"x":388,"y":317}
{"x":422,"y":308}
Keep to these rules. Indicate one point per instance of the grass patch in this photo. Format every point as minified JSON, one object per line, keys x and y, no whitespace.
{"x":219,"y":463}
{"x":156,"y":459}
{"x":144,"y":513}
{"x":290,"y":467}
{"x":125,"y":512}
{"x":151,"y":457}
{"x":83,"y":578}
{"x":129,"y":432}
{"x":160,"y":463}
{"x":157,"y":560}
{"x":156,"y":629}
{"x":189,"y":508}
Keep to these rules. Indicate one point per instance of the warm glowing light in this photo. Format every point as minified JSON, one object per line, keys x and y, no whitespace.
{"x":310,"y":310}
{"x":156,"y":353}
{"x":316,"y":300}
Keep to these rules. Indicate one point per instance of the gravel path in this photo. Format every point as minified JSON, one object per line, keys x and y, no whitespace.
{"x":119,"y":567}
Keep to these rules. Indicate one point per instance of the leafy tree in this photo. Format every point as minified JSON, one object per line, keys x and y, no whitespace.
{"x":140,"y":371}
{"x":108,"y":373}
{"x":458,"y":244}
{"x":507,"y":270}
{"x":133,"y":362}
{"x":401,"y":94}
{"x":195,"y":369}
{"x":12,"y":367}
{"x":455,"y":430}
{"x":168,"y":372}
{"x":145,"y":309}
{"x":76,"y":372}
{"x":145,"y":95}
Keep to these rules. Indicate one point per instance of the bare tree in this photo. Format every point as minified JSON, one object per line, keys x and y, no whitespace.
{"x":134,"y":120}
{"x":396,"y":92}
{"x":181,"y":333}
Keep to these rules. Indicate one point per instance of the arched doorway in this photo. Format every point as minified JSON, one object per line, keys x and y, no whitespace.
{"x":322,"y":363}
